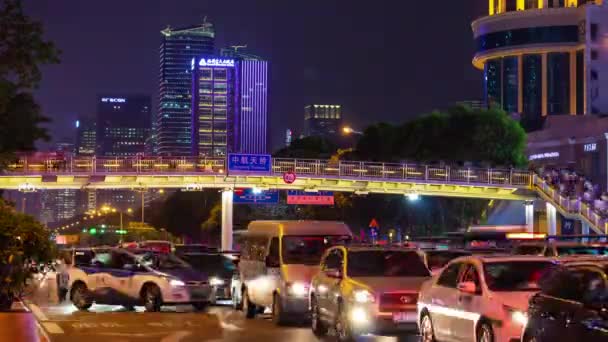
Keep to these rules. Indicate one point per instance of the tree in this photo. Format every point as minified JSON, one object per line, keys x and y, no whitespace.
{"x":22,"y":51}
{"x":22,"y":239}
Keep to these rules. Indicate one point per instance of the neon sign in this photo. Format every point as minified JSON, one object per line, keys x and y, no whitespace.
{"x":546,"y":155}
{"x":590,"y":147}
{"x":113,"y":99}
{"x":218,"y":62}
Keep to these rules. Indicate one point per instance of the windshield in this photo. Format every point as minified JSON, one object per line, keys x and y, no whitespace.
{"x":581,"y":250}
{"x":212,"y":264}
{"x":438,"y":259}
{"x":515,"y":275}
{"x":307,"y":250}
{"x":162,"y":261}
{"x":386,"y":264}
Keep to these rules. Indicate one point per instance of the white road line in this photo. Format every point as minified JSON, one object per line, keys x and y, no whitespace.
{"x":40,"y":316}
{"x":45,"y":336}
{"x":52,"y":328}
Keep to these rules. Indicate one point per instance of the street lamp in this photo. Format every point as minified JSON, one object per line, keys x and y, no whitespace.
{"x":349,"y":130}
{"x":413,"y":197}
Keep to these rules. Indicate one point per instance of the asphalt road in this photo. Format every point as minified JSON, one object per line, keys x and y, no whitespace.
{"x":63,"y":323}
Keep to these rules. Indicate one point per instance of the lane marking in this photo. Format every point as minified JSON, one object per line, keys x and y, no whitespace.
{"x":176,"y":337}
{"x":52,"y":328}
{"x":40,"y":316}
{"x":45,"y":336}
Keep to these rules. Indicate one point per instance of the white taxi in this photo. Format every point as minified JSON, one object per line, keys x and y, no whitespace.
{"x":118,"y":277}
{"x":480,"y":298}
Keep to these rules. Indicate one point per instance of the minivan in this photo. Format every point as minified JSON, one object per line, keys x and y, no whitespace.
{"x":278,"y":261}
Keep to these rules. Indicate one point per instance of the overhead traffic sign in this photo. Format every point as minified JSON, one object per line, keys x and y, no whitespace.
{"x":255,"y":163}
{"x":254,"y":196}
{"x":289,"y":177}
{"x":307,"y":198}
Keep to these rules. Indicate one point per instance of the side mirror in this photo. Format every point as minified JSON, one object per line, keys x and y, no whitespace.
{"x":467,"y":287}
{"x":333,"y":273}
{"x":272,"y":262}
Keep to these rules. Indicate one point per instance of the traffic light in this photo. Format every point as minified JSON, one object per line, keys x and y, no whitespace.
{"x":93,"y":231}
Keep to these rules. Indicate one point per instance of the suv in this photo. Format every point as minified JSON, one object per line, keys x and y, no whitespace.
{"x":366,"y":289}
{"x":559,"y":249}
{"x":128,"y":278}
{"x":571,"y":306}
{"x":480,"y":298}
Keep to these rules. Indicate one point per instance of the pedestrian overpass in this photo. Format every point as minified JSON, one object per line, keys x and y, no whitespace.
{"x":31,"y":173}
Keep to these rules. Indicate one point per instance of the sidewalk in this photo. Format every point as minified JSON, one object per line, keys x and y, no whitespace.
{"x":19,"y":325}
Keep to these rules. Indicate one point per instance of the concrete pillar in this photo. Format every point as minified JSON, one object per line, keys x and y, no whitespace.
{"x":529,"y":206}
{"x":227,"y":203}
{"x":551,"y":219}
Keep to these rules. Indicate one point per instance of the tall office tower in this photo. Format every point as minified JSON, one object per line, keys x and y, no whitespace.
{"x":173,"y":129}
{"x":544,"y":57}
{"x":86,"y":137}
{"x":251,"y":120}
{"x":123,"y":125}
{"x":322,"y":120}
{"x":214,"y":106}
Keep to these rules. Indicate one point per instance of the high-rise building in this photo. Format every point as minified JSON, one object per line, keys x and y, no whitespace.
{"x":86,"y":137}
{"x":322,"y":120}
{"x":123,"y":125}
{"x":544,"y":57}
{"x":173,"y":128}
{"x":214,"y":106}
{"x":251,"y":120}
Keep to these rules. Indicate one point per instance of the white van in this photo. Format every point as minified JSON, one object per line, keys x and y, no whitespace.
{"x":278,"y":261}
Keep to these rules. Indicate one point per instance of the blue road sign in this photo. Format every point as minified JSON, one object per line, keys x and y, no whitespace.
{"x":259,"y":163}
{"x":249,"y":196}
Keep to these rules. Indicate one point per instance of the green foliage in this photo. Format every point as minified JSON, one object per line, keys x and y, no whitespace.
{"x":308,"y":148}
{"x":487,"y":137}
{"x":22,"y":239}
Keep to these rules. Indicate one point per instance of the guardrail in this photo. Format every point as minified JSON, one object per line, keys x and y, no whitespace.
{"x":572,"y":205}
{"x":302,"y":167}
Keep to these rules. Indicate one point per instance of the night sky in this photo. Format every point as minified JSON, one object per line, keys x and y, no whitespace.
{"x":382,"y":60}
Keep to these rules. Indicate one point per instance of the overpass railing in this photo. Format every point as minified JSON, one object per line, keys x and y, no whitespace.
{"x":302,"y":167}
{"x":573,"y":206}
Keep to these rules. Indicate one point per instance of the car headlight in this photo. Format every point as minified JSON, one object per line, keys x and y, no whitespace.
{"x":517,"y":316}
{"x":363,"y":296}
{"x":215,"y":281}
{"x":297,"y":289}
{"x":176,"y":283}
{"x":359,"y":316}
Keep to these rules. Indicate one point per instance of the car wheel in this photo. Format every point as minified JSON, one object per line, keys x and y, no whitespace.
{"x":248,"y":306}
{"x":344,"y":331}
{"x":318,"y":327}
{"x":81,"y":297}
{"x":152,"y":298}
{"x":278,"y":317}
{"x":200,"y":306}
{"x":426,"y":329}
{"x":236,"y":304}
{"x":485,"y":333}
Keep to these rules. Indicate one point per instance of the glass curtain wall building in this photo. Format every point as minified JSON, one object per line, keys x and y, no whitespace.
{"x":322,"y":120}
{"x":173,"y":129}
{"x":544,"y":57}
{"x":215,"y":105}
{"x":251,"y":123}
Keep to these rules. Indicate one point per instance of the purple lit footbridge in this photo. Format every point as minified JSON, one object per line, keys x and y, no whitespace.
{"x":190,"y":173}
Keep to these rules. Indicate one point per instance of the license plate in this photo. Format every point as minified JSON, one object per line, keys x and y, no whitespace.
{"x":404,"y":317}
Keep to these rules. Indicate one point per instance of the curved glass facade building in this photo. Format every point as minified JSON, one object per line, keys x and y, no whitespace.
{"x":544,"y":57}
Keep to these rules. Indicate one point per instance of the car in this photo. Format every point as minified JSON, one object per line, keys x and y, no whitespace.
{"x":181,"y":250}
{"x":367,"y":289}
{"x":116,"y":276}
{"x":278,"y":261}
{"x":560,"y":249}
{"x":159,"y":246}
{"x":220,"y":267}
{"x":572,"y":305}
{"x":480,"y":298}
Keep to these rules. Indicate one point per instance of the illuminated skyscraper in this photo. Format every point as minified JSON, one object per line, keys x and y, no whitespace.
{"x":173,"y":128}
{"x":86,"y":137}
{"x":251,"y":120}
{"x":544,"y":57}
{"x":215,"y":106}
